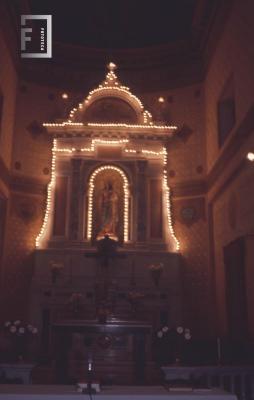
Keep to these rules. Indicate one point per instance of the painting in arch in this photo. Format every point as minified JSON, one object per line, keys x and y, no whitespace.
{"x":107,"y":254}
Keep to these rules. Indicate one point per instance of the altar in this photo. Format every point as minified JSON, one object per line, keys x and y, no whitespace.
{"x":38,"y":392}
{"x":107,"y":250}
{"x":118,"y":350}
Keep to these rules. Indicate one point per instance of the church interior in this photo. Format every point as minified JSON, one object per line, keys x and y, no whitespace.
{"x":127,"y":193}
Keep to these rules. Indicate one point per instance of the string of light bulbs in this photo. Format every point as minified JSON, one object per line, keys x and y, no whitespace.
{"x":49,"y":205}
{"x":110,"y":87}
{"x":168,"y":199}
{"x":91,"y":202}
{"x":151,"y":126}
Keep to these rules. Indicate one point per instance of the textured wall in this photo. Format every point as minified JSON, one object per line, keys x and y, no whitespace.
{"x":233,"y":56}
{"x":23,"y":224}
{"x":8,"y":82}
{"x":230,"y":178}
{"x":233,"y":217}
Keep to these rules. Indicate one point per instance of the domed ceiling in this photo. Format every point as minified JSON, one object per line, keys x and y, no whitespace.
{"x":118,"y":23}
{"x":157,"y":44}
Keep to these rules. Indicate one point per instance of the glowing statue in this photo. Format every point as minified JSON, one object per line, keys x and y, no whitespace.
{"x":108,"y":211}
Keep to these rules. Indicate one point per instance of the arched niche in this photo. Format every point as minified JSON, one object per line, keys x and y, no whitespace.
{"x":108,"y":204}
{"x":110,"y":109}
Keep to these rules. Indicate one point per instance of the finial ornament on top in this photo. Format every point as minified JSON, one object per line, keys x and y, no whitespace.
{"x":112,"y":66}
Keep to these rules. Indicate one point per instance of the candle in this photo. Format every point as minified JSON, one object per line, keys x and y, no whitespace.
{"x":219,"y":350}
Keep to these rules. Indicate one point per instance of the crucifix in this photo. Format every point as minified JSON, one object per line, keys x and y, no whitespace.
{"x":106,"y":252}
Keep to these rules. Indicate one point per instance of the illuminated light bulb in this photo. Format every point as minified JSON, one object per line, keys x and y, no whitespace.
{"x":65,"y":96}
{"x":250,"y":156}
{"x":161,"y":99}
{"x":112,"y":66}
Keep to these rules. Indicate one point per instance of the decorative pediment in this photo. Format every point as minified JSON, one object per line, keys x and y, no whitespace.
{"x":111,"y":102}
{"x":111,"y":111}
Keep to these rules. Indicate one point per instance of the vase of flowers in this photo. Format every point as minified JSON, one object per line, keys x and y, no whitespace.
{"x":183,"y":335}
{"x":156,"y":271}
{"x":171,"y":343}
{"x":20,"y":336}
{"x":76,"y":303}
{"x":56,"y":270}
{"x":134,"y":298}
{"x":102,"y":313}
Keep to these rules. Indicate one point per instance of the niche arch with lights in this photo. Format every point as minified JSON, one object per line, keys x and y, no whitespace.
{"x":99,"y":178}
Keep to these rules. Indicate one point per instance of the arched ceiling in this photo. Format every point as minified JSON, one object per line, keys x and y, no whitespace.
{"x":118,"y":23}
{"x":157,"y":44}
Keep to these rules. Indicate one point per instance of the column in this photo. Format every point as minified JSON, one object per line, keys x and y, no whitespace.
{"x":141,"y":201}
{"x":75,"y":200}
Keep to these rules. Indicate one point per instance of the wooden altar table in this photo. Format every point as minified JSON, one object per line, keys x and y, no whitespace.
{"x":138,"y":330}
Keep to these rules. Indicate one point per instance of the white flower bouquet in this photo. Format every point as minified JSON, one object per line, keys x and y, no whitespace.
{"x":18,"y":328}
{"x":19,"y":334}
{"x":170,"y":343}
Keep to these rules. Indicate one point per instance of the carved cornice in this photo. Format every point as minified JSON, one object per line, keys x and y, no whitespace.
{"x":112,"y":132}
{"x":181,"y":189}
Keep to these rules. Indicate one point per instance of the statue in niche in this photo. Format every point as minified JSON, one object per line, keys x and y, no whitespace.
{"x":108,"y":212}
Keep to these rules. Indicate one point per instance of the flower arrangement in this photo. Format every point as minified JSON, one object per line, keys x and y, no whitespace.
{"x":20,"y":335}
{"x":56,"y":264}
{"x":185,"y":333}
{"x":56,"y":269}
{"x":102,"y":312}
{"x":156,"y":267}
{"x":134,"y":297}
{"x":156,"y":271}
{"x":75,"y":301}
{"x":170,"y":343}
{"x":18,"y":328}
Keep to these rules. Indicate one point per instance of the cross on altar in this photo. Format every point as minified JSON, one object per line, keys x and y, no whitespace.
{"x":106,"y":251}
